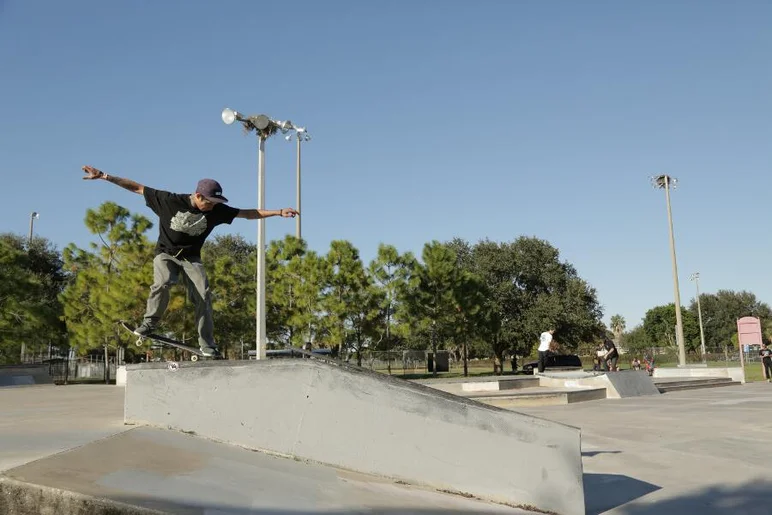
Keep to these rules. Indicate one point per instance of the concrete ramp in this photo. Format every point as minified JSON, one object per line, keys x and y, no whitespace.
{"x":24,"y":375}
{"x":632,"y":383}
{"x":627,"y":383}
{"x":148,"y":471}
{"x":367,"y":422}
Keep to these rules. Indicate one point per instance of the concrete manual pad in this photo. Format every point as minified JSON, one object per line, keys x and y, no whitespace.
{"x":172,"y":472}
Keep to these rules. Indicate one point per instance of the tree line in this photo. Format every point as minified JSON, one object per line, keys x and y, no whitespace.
{"x":488,"y":299}
{"x":720,"y":312}
{"x":484,"y":299}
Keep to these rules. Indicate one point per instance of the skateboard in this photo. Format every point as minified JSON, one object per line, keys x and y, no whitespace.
{"x":162,"y":340}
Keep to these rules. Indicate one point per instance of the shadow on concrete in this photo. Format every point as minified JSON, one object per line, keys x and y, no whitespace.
{"x":590,"y":454}
{"x":603,"y":492}
{"x":754,"y":498}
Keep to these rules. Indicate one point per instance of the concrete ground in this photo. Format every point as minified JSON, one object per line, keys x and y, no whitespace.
{"x":37,"y":421}
{"x":171,"y":471}
{"x":695,"y":452}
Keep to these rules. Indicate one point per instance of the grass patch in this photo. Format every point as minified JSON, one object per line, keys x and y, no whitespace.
{"x":753,"y":371}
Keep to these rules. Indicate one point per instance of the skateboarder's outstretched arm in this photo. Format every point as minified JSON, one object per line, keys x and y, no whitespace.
{"x":128,"y":184}
{"x":254,"y":214}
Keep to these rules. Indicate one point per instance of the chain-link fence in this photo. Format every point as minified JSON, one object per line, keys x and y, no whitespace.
{"x":714,"y":357}
{"x":407,"y":362}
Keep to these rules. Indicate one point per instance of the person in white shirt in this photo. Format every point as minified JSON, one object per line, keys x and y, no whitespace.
{"x":544,"y":346}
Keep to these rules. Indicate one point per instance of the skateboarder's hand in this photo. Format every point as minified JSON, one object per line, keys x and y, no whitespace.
{"x":92,"y":173}
{"x":288,"y":212}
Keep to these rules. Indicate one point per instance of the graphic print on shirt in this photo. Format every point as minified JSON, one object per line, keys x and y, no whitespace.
{"x":188,"y":223}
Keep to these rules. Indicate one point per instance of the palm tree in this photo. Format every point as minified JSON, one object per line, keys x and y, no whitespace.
{"x":617,"y":327}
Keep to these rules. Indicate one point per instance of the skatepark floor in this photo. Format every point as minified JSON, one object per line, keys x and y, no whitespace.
{"x":693,"y":452}
{"x":71,"y":441}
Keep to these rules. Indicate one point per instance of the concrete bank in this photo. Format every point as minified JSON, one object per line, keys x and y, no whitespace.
{"x":367,"y":422}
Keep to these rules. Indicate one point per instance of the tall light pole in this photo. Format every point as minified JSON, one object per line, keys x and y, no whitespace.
{"x":666,"y":182}
{"x":265,"y":127}
{"x":301,"y":134}
{"x":696,"y":278}
{"x":32,"y":217}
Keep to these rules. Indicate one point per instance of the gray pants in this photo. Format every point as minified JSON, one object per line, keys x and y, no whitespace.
{"x":166,"y":272}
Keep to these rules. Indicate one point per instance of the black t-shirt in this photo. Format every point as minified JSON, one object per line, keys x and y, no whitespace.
{"x":183,"y":227}
{"x":766,"y":354}
{"x":611,"y":349}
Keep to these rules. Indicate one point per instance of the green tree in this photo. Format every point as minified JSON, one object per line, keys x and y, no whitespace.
{"x":366,"y":319}
{"x":531,"y":289}
{"x":637,"y":341}
{"x":281,"y":291}
{"x":312,"y":274}
{"x":659,"y":325}
{"x":430,"y":300}
{"x":111,"y":281}
{"x":389,"y":272}
{"x":347,"y":278}
{"x":720,"y":312}
{"x":297,"y":279}
{"x":475,"y":320}
{"x":31,"y":279}
{"x":228,"y":260}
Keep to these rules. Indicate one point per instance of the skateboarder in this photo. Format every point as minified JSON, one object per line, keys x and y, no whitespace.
{"x":545,"y":341}
{"x":611,"y":356}
{"x":185,"y":222}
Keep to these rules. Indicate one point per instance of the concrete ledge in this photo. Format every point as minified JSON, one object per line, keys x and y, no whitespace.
{"x":21,"y":498}
{"x":511,"y":383}
{"x":629,"y":383}
{"x":734,"y":373}
{"x":365,"y":421}
{"x":120,"y":376}
{"x":22,"y":375}
{"x":545,"y":398}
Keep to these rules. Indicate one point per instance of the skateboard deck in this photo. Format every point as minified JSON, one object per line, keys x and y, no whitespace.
{"x":162,"y":340}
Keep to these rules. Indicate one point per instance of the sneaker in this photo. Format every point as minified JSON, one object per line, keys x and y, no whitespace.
{"x":144,"y":329}
{"x":210,"y":352}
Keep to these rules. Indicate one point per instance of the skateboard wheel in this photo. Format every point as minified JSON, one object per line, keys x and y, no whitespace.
{"x":194,"y":358}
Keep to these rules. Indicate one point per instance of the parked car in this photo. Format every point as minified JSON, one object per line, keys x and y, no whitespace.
{"x":569,"y":361}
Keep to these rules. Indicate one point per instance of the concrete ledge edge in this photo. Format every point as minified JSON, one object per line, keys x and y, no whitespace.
{"x":22,"y":498}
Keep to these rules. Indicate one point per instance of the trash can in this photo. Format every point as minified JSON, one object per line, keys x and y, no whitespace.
{"x":442,"y":361}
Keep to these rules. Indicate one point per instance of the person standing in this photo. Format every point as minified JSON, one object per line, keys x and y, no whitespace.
{"x":545,"y":340}
{"x":766,"y":361}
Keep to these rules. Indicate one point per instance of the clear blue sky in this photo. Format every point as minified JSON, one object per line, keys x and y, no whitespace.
{"x":430,"y":120}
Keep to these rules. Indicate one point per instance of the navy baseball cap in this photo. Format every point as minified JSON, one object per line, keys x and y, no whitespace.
{"x":211,"y":190}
